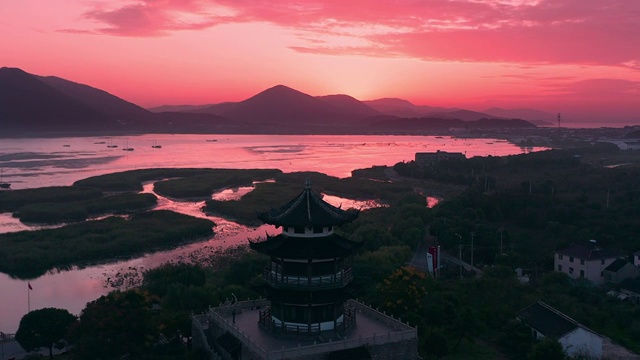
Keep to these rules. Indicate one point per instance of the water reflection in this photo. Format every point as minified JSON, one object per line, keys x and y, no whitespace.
{"x":235,"y":193}
{"x":344,"y":203}
{"x":432,"y":201}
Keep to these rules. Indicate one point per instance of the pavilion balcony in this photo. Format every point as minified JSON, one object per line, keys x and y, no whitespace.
{"x":345,"y":322}
{"x":329,"y":281}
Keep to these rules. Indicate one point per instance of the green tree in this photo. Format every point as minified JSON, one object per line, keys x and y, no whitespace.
{"x":404,"y":291}
{"x":547,"y":349}
{"x":435,"y":344}
{"x":116,"y":325}
{"x":44,"y":328}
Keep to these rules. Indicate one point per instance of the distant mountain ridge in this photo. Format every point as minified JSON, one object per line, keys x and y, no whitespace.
{"x":27,"y":102}
{"x":31,"y":103}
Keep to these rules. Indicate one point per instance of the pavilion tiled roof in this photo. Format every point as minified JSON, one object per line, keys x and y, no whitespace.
{"x":304,"y":248}
{"x":307,"y":209}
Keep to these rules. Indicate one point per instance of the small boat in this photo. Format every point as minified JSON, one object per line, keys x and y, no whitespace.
{"x":111,"y":144}
{"x":156,"y":146}
{"x":211,"y":140}
{"x":99,"y":142}
{"x":66,"y":145}
{"x":126,"y":147}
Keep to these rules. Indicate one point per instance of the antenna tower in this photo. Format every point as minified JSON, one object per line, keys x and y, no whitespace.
{"x":558,"y":120}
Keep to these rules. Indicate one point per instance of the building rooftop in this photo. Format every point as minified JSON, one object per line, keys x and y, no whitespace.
{"x":307,"y":209}
{"x":547,"y":320}
{"x":303,"y":248}
{"x":589,"y":251}
{"x":617,"y":265}
{"x":372,"y":327}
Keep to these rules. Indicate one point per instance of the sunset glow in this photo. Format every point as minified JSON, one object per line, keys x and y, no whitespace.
{"x":577,"y":57}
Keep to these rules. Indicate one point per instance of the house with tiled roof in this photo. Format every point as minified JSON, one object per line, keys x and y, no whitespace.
{"x":575,"y":338}
{"x":585,"y":261}
{"x":620,"y":270}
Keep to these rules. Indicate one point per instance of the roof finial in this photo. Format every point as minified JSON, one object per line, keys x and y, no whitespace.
{"x":307,"y":183}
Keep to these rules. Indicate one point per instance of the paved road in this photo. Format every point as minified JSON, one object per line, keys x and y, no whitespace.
{"x":10,"y":349}
{"x":419,"y":259}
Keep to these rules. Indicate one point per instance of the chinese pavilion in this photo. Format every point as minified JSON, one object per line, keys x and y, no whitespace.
{"x":307,"y":277}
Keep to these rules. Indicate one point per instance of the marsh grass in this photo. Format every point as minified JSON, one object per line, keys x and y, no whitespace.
{"x":196,"y":182}
{"x":29,"y":254}
{"x":15,"y":199}
{"x":288,"y":186}
{"x":81,"y":210}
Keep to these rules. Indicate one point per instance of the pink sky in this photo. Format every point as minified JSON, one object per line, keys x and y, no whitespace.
{"x":578,"y":57}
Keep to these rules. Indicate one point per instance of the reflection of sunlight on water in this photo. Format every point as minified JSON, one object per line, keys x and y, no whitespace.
{"x":432,"y":201}
{"x":344,"y":203}
{"x":8,"y":223}
{"x":235,"y":193}
{"x":232,"y":194}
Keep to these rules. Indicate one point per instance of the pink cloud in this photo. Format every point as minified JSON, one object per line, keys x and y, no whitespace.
{"x":151,"y":18}
{"x":590,"y":32}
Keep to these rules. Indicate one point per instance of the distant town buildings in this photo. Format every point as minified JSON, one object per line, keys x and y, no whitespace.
{"x":575,"y":338}
{"x":432,"y":158}
{"x":585,"y":261}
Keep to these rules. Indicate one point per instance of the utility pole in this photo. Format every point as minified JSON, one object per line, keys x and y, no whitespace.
{"x":460,"y":252}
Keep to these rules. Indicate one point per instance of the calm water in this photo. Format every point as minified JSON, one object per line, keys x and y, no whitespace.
{"x":29,"y":163}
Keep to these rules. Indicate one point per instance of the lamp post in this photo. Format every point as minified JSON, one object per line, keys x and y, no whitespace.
{"x":501,"y":230}
{"x":460,"y":252}
{"x":472,"y":235}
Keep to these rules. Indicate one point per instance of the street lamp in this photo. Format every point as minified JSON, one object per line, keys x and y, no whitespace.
{"x":501,"y":230}
{"x":460,"y":252}
{"x":472,"y":235}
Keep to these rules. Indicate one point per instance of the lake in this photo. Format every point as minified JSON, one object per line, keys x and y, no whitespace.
{"x":38,"y":162}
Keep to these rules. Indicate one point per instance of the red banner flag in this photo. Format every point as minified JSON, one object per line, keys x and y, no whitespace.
{"x":29,"y":285}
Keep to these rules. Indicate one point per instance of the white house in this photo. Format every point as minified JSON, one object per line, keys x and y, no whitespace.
{"x":575,"y":338}
{"x":586,"y":261}
{"x":620,"y":270}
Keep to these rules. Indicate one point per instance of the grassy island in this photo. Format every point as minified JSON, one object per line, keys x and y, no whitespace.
{"x":289,"y":185}
{"x":191,"y":182}
{"x":29,"y":254}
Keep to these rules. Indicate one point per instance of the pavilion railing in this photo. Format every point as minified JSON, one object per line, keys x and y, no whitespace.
{"x":267,"y":322}
{"x":318,"y":282}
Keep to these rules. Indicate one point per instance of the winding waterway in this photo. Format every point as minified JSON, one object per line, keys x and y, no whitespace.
{"x":29,"y":163}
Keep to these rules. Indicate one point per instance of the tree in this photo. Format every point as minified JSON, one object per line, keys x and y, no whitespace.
{"x":44,"y":328}
{"x":117,"y":325}
{"x":404,"y":291}
{"x":547,"y":349}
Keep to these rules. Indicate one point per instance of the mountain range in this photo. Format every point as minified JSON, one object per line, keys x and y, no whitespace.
{"x":31,"y":103}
